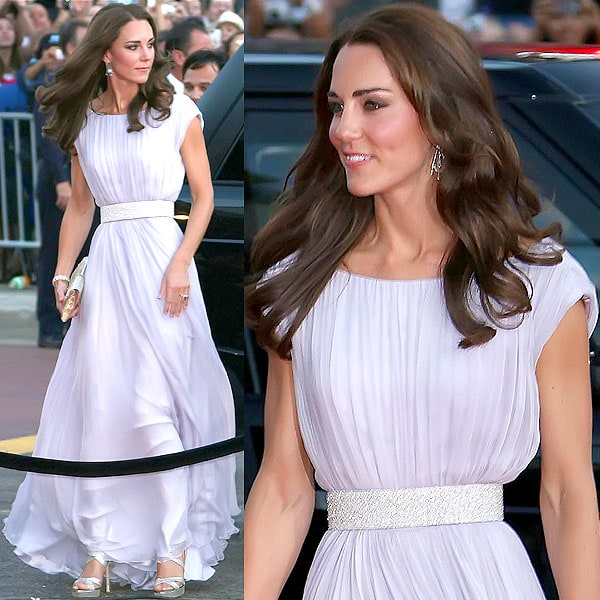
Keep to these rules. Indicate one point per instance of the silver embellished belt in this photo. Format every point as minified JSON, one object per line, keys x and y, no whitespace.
{"x":415,"y":507}
{"x":136,"y":210}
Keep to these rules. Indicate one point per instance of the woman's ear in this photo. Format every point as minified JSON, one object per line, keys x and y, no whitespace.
{"x":178,"y":57}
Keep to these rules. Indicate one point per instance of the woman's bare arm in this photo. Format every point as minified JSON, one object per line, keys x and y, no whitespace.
{"x":75,"y":227}
{"x":568,"y":500}
{"x":176,"y":279}
{"x":281,"y":502}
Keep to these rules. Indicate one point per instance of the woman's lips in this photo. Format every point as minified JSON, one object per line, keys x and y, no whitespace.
{"x":356,"y":158}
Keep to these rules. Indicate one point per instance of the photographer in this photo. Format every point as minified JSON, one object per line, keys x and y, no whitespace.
{"x":47,"y":59}
{"x":71,"y":10}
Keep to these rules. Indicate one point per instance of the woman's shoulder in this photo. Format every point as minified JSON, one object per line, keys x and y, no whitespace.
{"x":185,"y":109}
{"x":184,"y":104}
{"x":557,"y":287}
{"x":566,"y":264}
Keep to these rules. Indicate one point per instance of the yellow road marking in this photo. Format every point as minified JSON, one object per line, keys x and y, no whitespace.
{"x":20,"y":445}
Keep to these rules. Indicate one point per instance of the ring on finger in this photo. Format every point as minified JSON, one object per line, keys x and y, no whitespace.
{"x":184,"y":297}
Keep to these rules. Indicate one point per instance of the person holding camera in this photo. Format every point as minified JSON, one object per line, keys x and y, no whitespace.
{"x":69,"y":10}
{"x":47,"y":59}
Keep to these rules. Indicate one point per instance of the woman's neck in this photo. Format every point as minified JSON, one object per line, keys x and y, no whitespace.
{"x":117,"y":98}
{"x":407,"y":238}
{"x":410,"y":217}
{"x":5,"y":56}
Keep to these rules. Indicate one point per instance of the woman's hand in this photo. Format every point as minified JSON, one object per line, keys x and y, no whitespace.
{"x":175,"y":288}
{"x":63,"y":194}
{"x":60,"y":291}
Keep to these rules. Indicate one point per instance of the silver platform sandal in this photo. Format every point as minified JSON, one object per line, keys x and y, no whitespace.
{"x":93,"y":584}
{"x":177,"y":583}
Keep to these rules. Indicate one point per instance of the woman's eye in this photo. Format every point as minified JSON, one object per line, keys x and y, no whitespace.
{"x":335,"y":107}
{"x":372,"y":105}
{"x":131,"y":47}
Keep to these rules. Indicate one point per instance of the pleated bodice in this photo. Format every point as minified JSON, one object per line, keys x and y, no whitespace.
{"x":386,"y":399}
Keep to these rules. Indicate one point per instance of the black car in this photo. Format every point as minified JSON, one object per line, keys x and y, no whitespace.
{"x":550,"y":103}
{"x":220,"y":257}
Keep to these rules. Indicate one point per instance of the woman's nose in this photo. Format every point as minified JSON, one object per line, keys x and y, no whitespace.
{"x":346,"y":125}
{"x":147,"y":53}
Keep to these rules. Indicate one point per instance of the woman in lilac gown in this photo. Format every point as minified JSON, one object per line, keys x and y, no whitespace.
{"x":424,"y":338}
{"x":138,"y":373}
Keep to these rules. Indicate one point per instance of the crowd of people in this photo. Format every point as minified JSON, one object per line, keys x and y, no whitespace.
{"x":519,"y":21}
{"x":36,"y":38}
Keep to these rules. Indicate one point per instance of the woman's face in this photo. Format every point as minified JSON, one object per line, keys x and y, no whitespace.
{"x":80,"y":8}
{"x":374,"y":128}
{"x":568,"y":29}
{"x":7,"y":33}
{"x":194,"y":8}
{"x":227,"y":30}
{"x":131,"y":55}
{"x":39,"y":17}
{"x":566,"y":21}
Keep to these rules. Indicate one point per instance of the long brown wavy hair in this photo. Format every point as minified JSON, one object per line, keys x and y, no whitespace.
{"x":15,"y":61}
{"x":482,"y":196}
{"x":82,"y":78}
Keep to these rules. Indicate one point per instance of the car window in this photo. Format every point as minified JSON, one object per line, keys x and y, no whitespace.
{"x":233,"y":168}
{"x":275,"y":139}
{"x":582,"y":81}
{"x":592,"y":110}
{"x":564,"y":201}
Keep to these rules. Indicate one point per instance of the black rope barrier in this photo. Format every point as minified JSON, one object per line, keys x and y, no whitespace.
{"x":117,"y":468}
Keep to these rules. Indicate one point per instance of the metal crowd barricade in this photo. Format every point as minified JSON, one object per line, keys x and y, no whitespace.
{"x":18,"y":148}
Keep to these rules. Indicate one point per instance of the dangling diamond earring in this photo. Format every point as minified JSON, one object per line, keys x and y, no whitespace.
{"x":108,"y":69}
{"x":436,"y":163}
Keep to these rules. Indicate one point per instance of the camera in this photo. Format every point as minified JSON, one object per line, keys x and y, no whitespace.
{"x":53,"y":39}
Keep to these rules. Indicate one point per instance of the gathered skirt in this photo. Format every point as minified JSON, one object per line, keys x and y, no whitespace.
{"x":131,"y":382}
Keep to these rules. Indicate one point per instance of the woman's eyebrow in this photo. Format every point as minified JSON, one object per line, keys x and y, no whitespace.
{"x":362,"y":92}
{"x":138,"y":41}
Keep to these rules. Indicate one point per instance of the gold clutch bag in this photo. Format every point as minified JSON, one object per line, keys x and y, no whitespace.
{"x":74,"y":291}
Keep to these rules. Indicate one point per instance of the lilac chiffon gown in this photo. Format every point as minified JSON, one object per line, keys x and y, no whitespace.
{"x":386,"y":400}
{"x":131,"y":382}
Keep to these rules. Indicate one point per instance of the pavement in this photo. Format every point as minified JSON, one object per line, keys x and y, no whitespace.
{"x":24,"y":373}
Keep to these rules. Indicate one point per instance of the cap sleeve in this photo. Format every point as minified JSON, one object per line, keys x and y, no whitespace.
{"x":271,"y":272}
{"x":184,"y":110}
{"x":555,"y":290}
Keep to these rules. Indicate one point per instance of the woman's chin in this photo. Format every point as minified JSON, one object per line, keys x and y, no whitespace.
{"x":360,"y":191}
